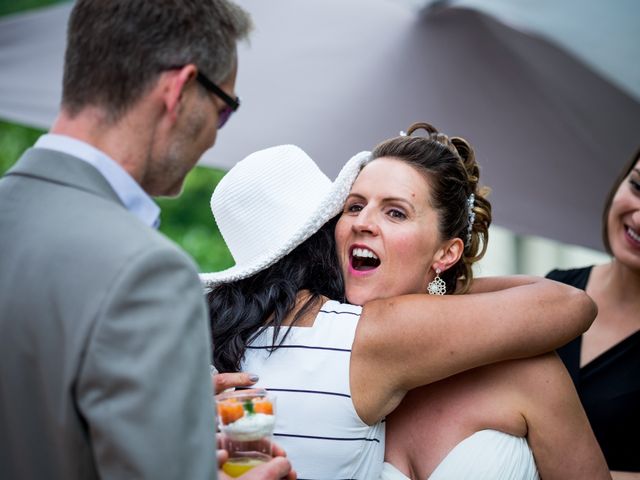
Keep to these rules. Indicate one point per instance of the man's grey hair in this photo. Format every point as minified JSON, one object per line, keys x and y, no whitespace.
{"x":117,"y":48}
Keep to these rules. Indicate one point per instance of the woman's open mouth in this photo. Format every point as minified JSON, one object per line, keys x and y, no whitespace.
{"x":363,"y":259}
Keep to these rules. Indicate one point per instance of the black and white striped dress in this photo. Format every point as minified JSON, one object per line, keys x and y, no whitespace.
{"x":316,"y":422}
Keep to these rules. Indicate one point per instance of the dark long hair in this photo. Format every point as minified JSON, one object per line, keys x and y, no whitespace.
{"x":241,"y":310}
{"x":612,"y":193}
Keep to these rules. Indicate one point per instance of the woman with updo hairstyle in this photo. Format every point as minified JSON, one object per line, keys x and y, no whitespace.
{"x":342,"y":316}
{"x":419,"y":208}
{"x":450,"y":167}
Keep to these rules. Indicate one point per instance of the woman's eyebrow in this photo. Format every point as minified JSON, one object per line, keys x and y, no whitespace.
{"x":384,"y":200}
{"x":402,"y":200}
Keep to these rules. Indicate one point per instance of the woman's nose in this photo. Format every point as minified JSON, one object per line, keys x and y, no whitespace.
{"x":366,"y":223}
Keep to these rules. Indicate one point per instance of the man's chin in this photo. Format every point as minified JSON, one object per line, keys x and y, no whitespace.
{"x":175,"y":192}
{"x":170,"y":191}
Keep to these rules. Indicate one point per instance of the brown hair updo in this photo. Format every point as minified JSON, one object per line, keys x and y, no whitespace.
{"x":450,"y":168}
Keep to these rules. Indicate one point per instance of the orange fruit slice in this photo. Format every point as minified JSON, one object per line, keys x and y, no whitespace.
{"x":261,"y":405}
{"x":230,"y":411}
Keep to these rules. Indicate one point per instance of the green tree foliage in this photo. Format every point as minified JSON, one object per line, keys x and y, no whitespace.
{"x":188,"y":220}
{"x":14,"y":140}
{"x":14,"y":6}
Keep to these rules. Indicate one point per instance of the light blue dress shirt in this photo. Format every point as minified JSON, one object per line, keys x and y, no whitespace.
{"x":134,"y":198}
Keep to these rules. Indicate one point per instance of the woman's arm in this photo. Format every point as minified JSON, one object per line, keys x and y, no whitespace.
{"x":404,"y":342}
{"x":559,"y":433}
{"x":495,"y":284}
{"x":625,"y":475}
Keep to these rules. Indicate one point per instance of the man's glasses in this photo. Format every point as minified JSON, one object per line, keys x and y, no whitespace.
{"x":232,"y":104}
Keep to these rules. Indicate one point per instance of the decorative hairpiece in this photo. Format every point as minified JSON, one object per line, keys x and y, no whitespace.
{"x":471,"y":201}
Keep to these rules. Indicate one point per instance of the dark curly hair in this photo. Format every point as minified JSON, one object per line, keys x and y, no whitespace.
{"x":241,"y":310}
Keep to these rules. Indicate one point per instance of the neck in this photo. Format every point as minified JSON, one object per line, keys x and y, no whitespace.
{"x":308,"y":318}
{"x":125,"y":141}
{"x":620,"y":282}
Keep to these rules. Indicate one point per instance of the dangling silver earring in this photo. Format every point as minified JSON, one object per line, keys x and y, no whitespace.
{"x":437,"y":286}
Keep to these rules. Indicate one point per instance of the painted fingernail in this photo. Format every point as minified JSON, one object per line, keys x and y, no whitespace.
{"x":253,"y":377}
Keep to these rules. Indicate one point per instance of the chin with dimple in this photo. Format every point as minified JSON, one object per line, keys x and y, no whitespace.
{"x":361,"y":286}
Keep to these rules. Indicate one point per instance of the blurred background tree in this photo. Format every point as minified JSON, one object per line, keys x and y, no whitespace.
{"x":187,"y":220}
{"x":13,"y":6}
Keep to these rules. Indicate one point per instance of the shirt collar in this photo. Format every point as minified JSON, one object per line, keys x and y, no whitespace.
{"x":134,"y":198}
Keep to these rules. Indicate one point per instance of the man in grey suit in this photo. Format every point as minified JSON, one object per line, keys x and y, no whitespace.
{"x":104,"y":340}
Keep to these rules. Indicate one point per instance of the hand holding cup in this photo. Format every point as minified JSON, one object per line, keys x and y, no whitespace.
{"x":246,"y":419}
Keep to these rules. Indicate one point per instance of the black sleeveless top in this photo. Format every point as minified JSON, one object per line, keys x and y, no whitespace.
{"x":609,"y":388}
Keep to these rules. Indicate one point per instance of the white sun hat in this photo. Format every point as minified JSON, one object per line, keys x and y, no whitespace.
{"x":272,"y":201}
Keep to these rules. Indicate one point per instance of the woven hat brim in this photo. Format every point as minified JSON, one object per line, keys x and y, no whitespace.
{"x":331,"y":204}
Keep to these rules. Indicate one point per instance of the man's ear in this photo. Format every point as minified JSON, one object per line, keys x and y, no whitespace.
{"x":174,"y":86}
{"x":450,"y":253}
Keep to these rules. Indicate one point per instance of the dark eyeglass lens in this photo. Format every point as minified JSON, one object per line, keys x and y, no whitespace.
{"x":223,"y":116}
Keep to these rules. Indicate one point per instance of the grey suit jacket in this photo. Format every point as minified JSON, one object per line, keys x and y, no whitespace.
{"x":104,"y":338}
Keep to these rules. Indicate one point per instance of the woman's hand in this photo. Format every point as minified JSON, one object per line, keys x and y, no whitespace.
{"x":224,"y":381}
{"x":276,"y":468}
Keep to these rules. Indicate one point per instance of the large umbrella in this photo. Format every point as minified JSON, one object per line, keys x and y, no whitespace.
{"x":550,"y":133}
{"x":336,"y":77}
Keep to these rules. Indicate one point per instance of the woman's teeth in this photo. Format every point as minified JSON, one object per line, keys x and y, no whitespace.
{"x":633,"y":234}
{"x":364,"y":253}
{"x":364,"y":259}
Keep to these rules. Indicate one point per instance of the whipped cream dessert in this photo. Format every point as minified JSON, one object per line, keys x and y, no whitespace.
{"x":250,"y":427}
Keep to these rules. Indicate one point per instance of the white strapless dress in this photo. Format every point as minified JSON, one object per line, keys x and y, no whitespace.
{"x":485,"y":455}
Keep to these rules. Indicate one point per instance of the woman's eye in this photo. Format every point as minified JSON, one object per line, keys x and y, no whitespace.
{"x":354,"y":207}
{"x":635,"y":184}
{"x":395,"y":213}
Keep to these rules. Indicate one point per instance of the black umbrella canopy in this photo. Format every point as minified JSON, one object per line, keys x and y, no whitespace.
{"x":550,"y":134}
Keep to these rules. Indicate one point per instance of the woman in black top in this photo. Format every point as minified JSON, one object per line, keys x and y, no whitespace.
{"x":604,"y":363}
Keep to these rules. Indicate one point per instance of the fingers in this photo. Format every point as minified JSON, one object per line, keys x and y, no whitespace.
{"x":223,"y":381}
{"x":277,"y":450}
{"x":223,"y":456}
{"x":274,"y":469}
